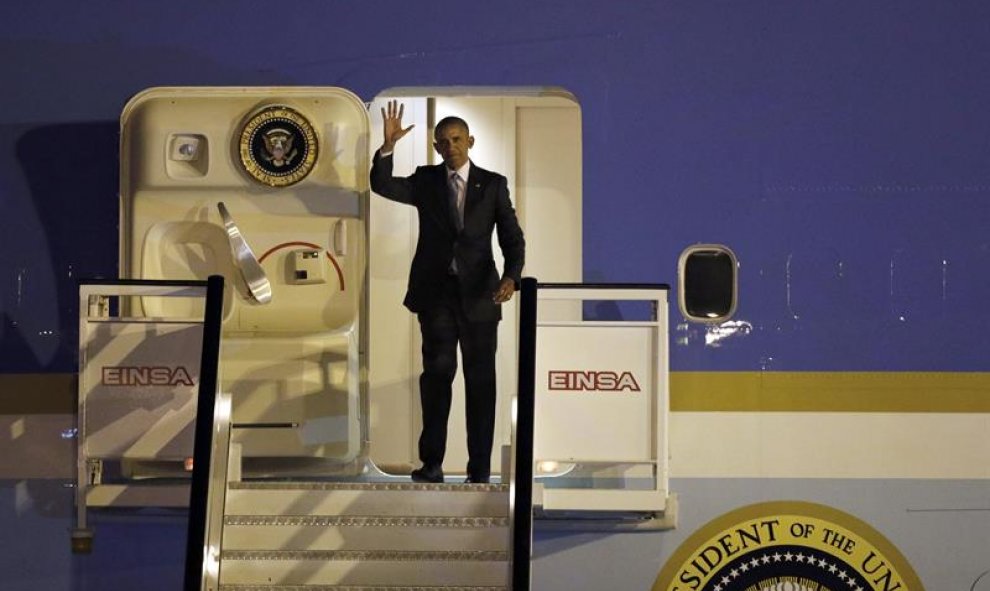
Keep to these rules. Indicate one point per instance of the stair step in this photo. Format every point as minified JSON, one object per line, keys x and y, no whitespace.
{"x":237,"y":587}
{"x":247,"y":532}
{"x":406,"y":486}
{"x":374,"y":499}
{"x":395,"y":555}
{"x":366,"y":521}
{"x":340,"y":536}
{"x":399,"y":569}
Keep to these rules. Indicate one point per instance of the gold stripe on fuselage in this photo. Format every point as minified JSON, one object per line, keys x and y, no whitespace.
{"x":731,"y":391}
{"x":837,"y":391}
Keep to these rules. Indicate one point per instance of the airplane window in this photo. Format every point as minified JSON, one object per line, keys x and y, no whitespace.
{"x":707,"y":275}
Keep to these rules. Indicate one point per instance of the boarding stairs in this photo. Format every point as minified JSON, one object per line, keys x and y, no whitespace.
{"x":375,"y":533}
{"x":364,"y":536}
{"x":372,"y":533}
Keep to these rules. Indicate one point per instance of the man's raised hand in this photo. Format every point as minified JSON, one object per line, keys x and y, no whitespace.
{"x":392,"y":118}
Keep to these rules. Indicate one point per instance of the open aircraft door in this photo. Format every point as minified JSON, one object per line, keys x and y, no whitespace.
{"x":269,"y":188}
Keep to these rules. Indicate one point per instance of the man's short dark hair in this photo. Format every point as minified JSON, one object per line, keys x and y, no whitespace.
{"x":447,"y":122}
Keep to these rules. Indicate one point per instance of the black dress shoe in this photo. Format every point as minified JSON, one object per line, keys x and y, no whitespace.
{"x":433,"y":474}
{"x":476,"y":480}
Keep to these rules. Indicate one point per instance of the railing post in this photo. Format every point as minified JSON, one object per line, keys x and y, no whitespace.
{"x":521,"y":486}
{"x":203,"y":446}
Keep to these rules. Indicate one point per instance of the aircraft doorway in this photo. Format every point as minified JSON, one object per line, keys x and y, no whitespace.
{"x":533,"y":137}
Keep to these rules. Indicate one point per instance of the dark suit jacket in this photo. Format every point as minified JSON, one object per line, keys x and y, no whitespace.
{"x":486,"y":208}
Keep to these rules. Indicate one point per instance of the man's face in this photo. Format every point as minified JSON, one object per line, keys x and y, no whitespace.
{"x":452,"y":142}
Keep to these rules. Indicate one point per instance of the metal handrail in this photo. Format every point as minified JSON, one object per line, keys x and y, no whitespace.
{"x":209,"y":369}
{"x":521,"y":474}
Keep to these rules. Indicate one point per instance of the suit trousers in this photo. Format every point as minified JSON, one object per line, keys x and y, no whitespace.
{"x":443,"y":326}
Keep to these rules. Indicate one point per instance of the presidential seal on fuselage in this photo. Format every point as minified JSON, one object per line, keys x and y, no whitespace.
{"x":277,"y":146}
{"x":787,"y":546}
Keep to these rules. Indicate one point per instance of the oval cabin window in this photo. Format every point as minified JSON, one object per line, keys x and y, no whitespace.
{"x":708,"y":283}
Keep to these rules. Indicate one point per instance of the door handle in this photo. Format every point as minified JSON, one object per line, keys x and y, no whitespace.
{"x":245,"y":261}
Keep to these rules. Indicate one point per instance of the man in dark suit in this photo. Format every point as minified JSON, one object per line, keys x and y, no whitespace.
{"x":454,"y":287}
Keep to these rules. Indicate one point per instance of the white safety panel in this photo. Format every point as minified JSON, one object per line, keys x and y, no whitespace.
{"x":601,"y":408}
{"x":138,"y":376}
{"x":139,"y":387}
{"x":594,"y":390}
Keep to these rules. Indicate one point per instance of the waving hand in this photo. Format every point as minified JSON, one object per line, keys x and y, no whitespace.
{"x":393,"y":125}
